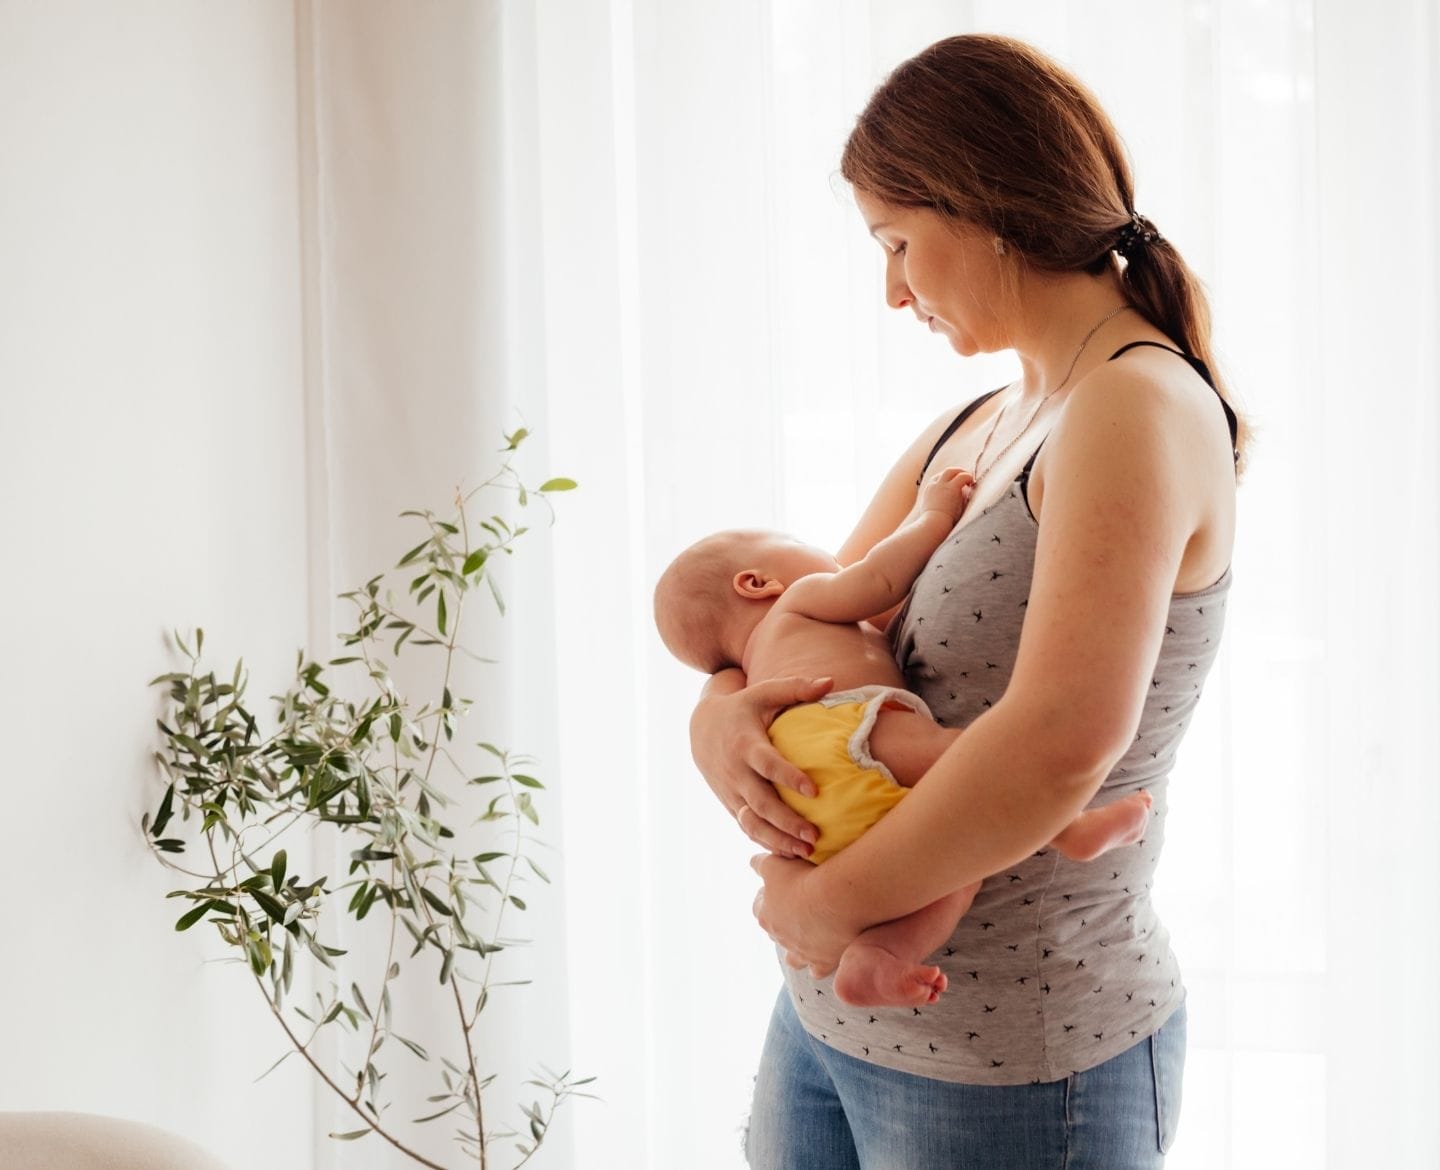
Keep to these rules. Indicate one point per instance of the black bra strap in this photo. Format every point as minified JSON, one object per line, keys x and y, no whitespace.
{"x":1204,"y":371}
{"x":955,"y":424}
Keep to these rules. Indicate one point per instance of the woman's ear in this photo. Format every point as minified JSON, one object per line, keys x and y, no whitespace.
{"x":756,"y":584}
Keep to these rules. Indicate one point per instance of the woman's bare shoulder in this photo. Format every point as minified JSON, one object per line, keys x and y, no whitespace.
{"x":1148,"y":425}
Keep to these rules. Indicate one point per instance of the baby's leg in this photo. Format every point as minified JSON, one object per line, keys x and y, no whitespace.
{"x":883,"y":968}
{"x":907,"y":743}
{"x":1097,"y":830}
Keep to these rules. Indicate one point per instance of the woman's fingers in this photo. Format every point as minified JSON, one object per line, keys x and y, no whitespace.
{"x":793,"y":840}
{"x":770,"y":765}
{"x":774,"y":695}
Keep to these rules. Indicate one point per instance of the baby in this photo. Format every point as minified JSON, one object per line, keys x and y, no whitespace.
{"x":775,"y":608}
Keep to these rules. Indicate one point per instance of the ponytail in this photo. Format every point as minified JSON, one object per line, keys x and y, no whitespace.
{"x":1170,"y":296}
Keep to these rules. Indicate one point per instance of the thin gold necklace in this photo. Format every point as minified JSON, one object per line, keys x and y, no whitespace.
{"x":1020,"y":434}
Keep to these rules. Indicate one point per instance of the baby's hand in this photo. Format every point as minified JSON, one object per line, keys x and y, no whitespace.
{"x":947,"y":491}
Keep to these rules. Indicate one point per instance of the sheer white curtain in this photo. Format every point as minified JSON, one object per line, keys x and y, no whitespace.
{"x":716,"y":353}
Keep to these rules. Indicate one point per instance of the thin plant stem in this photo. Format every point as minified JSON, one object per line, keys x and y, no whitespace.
{"x":370,"y":1122}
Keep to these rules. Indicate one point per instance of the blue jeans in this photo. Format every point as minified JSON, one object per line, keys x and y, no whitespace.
{"x":819,"y":1109}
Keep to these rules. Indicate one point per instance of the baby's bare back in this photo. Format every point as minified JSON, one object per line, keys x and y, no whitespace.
{"x":789,"y":644}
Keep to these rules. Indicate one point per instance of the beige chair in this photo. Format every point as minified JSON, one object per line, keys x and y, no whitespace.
{"x":83,"y":1141}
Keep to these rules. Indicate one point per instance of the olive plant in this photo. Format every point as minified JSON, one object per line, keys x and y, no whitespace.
{"x":382,"y":771}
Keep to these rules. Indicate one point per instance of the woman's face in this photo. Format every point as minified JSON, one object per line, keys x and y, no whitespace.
{"x":947,"y":273}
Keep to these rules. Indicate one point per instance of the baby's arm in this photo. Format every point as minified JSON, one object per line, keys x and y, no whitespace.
{"x":884,"y":576}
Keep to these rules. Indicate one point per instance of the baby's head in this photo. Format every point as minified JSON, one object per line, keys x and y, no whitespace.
{"x":718,"y":590}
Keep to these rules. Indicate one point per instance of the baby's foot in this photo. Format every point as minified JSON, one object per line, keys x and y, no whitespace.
{"x":1098,"y":830}
{"x":870,"y":976}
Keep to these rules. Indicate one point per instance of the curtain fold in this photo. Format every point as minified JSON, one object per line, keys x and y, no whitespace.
{"x":422,"y":356}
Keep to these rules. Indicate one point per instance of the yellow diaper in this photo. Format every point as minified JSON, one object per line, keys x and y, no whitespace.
{"x":830,"y":740}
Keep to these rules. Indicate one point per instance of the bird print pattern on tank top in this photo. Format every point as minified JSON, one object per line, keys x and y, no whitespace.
{"x":1058,"y":965}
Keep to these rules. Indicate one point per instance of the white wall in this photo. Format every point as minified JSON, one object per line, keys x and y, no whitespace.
{"x":152,"y":437}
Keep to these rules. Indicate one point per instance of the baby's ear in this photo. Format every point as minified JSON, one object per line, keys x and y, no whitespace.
{"x":755,"y":584}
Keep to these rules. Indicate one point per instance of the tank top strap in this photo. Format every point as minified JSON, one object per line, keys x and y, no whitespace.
{"x":955,"y":424}
{"x":1231,"y":420}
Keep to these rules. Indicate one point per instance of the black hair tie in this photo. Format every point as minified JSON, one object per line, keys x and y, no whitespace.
{"x":1137,"y":234}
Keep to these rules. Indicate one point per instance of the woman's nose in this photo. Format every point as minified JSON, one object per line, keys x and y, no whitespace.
{"x":897,"y":292}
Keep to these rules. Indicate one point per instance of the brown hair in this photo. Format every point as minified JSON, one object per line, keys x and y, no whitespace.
{"x":988,"y":130}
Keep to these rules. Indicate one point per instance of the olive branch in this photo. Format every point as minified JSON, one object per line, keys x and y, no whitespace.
{"x":378,"y":771}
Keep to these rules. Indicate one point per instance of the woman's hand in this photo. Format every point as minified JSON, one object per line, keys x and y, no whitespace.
{"x":791,"y":915}
{"x":729,"y":743}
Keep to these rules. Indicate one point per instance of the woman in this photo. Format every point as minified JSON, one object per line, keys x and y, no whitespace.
{"x":1067,"y":625}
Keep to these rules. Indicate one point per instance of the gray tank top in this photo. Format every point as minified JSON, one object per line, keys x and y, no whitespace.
{"x":1058,"y":965}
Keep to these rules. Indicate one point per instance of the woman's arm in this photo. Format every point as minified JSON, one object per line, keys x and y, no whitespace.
{"x":1124,"y":492}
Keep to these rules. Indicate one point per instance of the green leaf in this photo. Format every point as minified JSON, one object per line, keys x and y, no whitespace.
{"x":442,"y":1113}
{"x":319,"y":952}
{"x":519,"y":904}
{"x":516,"y":439}
{"x":163,"y":814}
{"x":495,"y":592}
{"x":191,"y":917}
{"x":360,"y":1000}
{"x":276,"y":1065}
{"x":527,"y":781}
{"x":352,"y":1135}
{"x":482,"y":858}
{"x":440,"y":613}
{"x":446,"y":965}
{"x":559,"y":484}
{"x":474,"y":562}
{"x":540,"y":873}
{"x":414,"y":552}
{"x":375,"y":892}
{"x":415,"y":1048}
{"x":274,"y":909}
{"x":277,"y":869}
{"x":436,"y":903}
